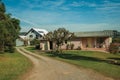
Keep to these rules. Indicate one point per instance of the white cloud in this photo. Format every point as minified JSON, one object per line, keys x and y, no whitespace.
{"x":82,"y":3}
{"x":69,"y":18}
{"x":49,"y":4}
{"x":54,"y":3}
{"x":107,"y":5}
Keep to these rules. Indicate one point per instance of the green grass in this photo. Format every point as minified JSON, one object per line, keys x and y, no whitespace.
{"x":13,"y":65}
{"x":32,"y":49}
{"x":97,"y":61}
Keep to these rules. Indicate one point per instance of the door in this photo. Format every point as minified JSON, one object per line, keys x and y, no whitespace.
{"x":51,"y":45}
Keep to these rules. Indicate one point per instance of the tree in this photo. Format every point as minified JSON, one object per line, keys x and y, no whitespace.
{"x":2,"y":7}
{"x":2,"y":36}
{"x":116,"y":40}
{"x":114,"y":48}
{"x":59,"y":37}
{"x":2,"y":26}
{"x":9,"y":29}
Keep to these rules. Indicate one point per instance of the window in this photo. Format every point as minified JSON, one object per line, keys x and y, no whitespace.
{"x":40,"y":35}
{"x":31,"y":36}
{"x":36,"y":36}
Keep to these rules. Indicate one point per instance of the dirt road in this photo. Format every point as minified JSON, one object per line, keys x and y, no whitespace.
{"x":49,"y":69}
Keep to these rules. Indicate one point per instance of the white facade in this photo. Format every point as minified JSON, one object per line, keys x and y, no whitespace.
{"x":20,"y":41}
{"x":33,"y":33}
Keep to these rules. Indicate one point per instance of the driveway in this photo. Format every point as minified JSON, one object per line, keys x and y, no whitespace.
{"x":50,"y":69}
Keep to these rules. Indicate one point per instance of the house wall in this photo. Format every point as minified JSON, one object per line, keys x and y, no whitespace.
{"x":44,"y":45}
{"x":83,"y":42}
{"x":75,"y":42}
{"x":90,"y":42}
{"x":107,"y":42}
{"x":19,"y":42}
{"x":31,"y":33}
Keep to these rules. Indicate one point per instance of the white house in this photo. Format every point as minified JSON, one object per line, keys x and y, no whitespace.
{"x":20,"y":40}
{"x":33,"y":33}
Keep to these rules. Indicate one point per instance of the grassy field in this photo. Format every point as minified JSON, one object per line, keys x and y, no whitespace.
{"x":13,"y":65}
{"x":97,"y":61}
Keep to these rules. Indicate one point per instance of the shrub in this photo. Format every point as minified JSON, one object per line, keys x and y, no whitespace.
{"x":114,"y":48}
{"x":116,"y":40}
{"x":25,"y":42}
{"x":79,"y":48}
{"x":34,"y":42}
{"x":37,"y":46}
{"x":11,"y":49}
{"x":46,"y":46}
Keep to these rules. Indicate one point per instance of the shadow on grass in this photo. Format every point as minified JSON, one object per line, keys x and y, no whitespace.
{"x":114,"y":58}
{"x":78,"y":58}
{"x":75,"y":57}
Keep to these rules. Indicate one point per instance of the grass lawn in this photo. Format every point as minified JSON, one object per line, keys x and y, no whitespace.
{"x":13,"y":65}
{"x":97,"y":61}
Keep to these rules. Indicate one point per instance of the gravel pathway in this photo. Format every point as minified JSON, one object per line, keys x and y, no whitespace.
{"x":50,"y":69}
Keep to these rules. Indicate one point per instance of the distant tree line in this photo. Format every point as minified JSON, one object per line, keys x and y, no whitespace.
{"x":9,"y":30}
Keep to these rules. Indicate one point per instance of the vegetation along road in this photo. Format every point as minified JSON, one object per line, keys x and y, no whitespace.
{"x":50,"y":69}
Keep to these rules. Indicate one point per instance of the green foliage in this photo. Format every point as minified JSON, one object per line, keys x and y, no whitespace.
{"x":37,"y":46}
{"x":2,"y":7}
{"x":11,"y":49}
{"x":116,"y":40}
{"x":46,"y":46}
{"x":34,"y":42}
{"x":59,"y":37}
{"x":78,"y":48}
{"x":9,"y":30}
{"x":114,"y":48}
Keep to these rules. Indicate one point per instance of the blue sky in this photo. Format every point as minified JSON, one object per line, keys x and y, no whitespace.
{"x":74,"y":15}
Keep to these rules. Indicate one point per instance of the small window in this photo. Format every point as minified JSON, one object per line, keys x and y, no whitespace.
{"x":36,"y":36}
{"x":40,"y":35}
{"x":31,"y":36}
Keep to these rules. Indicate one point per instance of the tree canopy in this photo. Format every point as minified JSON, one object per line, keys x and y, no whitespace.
{"x":59,"y":37}
{"x":9,"y":29}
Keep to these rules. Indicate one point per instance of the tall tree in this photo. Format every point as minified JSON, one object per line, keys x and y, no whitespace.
{"x":2,"y":26}
{"x":2,"y":7}
{"x":9,"y":29}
